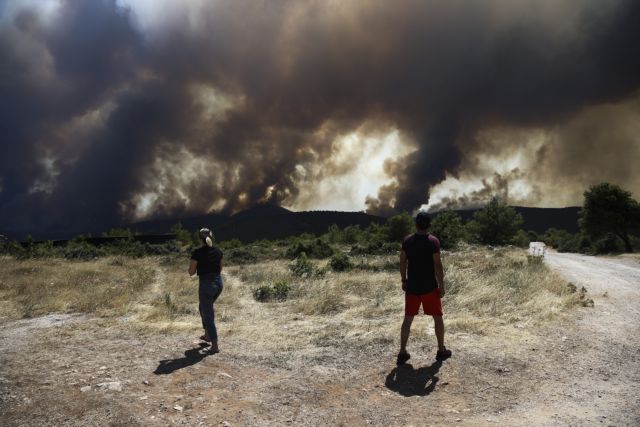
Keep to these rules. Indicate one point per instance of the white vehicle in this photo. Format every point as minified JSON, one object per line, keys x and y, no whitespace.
{"x":537,"y":248}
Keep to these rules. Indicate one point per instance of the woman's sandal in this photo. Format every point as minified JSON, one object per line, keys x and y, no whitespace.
{"x":443,"y":354}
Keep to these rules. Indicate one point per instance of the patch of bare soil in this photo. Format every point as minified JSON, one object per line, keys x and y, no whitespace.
{"x":584,"y":370}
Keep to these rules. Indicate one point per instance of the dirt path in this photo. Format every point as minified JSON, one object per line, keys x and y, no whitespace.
{"x":600,"y":378}
{"x":583,"y":370}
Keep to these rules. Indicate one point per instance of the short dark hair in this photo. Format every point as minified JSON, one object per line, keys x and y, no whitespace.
{"x":423,"y":220}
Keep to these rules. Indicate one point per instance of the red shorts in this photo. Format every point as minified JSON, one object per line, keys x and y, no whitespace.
{"x":430,"y":302}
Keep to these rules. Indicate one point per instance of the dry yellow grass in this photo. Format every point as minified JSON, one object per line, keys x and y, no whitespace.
{"x":486,"y":290}
{"x":104,"y":287}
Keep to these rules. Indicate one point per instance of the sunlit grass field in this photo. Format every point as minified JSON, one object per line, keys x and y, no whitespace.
{"x":487,"y":290}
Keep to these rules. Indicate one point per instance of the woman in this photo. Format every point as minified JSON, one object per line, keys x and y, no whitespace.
{"x":207,"y":262}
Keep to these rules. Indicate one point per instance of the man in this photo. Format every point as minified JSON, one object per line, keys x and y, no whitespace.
{"x":423,"y":283}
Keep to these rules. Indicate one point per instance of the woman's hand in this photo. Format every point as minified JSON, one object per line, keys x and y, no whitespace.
{"x":193,"y":266}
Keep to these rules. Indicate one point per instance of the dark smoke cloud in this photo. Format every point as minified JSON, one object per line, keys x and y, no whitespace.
{"x":99,"y":112}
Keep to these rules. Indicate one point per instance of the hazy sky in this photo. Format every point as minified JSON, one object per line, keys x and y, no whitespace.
{"x":121,"y":110}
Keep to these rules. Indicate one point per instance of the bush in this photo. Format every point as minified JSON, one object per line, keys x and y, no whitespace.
{"x":182,"y":234}
{"x":278,"y":291}
{"x":521,"y":239}
{"x":609,"y":243}
{"x":375,"y":248}
{"x":82,"y":251}
{"x":448,"y":228}
{"x":399,"y":226}
{"x":315,"y":249}
{"x":340,"y":262}
{"x":281,"y":290}
{"x":302,"y":267}
{"x":241,"y":256}
{"x":263,"y":293}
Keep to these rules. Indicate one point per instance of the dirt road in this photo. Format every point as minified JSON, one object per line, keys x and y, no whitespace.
{"x":581,"y":370}
{"x":601,"y":375}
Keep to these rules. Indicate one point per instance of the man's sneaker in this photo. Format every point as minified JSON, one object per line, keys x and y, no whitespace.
{"x":443,"y":354}
{"x":402,"y":358}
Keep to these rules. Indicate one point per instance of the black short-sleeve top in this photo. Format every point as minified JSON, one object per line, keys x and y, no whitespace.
{"x":209,"y":260}
{"x":419,"y":248}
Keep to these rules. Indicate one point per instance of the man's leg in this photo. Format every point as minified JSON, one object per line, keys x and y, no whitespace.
{"x":439,"y":326}
{"x":404,"y":333}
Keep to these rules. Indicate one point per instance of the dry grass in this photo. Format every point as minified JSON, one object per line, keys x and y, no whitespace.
{"x":106,"y":288}
{"x":487,"y":290}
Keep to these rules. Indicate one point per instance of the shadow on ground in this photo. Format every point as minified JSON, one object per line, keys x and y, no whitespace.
{"x":408,"y":381}
{"x":191,"y":357}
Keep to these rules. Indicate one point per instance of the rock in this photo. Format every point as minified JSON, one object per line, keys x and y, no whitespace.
{"x":144,"y":397}
{"x":102,"y":368}
{"x":111,"y":385}
{"x":85,"y":388}
{"x":226,"y":424}
{"x":178,"y":408}
{"x":145,"y":382}
{"x":224,"y":374}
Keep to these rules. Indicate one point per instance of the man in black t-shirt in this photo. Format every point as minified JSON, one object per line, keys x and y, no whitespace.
{"x":423,"y":283}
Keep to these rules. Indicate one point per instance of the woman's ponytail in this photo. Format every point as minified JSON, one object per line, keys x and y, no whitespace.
{"x":206,"y":236}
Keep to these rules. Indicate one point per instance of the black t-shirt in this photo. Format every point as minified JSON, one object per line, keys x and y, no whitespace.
{"x":421,"y":276}
{"x":209,"y":260}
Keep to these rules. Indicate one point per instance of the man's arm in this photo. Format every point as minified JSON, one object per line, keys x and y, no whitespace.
{"x":403,"y":269}
{"x":437,"y":264}
{"x":193,"y":267}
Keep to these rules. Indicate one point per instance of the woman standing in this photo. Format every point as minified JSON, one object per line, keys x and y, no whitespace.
{"x":207,"y":262}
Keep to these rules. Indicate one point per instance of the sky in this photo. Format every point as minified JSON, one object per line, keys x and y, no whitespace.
{"x":113,"y":111}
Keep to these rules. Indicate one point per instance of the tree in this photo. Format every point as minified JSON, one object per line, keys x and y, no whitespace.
{"x":448,"y":228}
{"x":608,"y":208}
{"x":495,"y":224}
{"x":399,"y":226}
{"x":182,"y":234}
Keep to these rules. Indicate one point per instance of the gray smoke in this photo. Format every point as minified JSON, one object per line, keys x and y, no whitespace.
{"x":99,"y":112}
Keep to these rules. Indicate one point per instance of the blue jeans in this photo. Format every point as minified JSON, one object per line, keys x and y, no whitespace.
{"x":208,"y":292}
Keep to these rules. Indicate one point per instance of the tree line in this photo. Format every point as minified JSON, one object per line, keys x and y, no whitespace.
{"x":609,"y":222}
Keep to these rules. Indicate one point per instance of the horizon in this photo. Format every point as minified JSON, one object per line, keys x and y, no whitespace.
{"x":124,"y":111}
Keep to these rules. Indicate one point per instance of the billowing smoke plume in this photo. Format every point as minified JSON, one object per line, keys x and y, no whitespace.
{"x":107,"y":115}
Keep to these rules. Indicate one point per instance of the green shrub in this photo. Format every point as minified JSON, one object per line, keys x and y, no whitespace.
{"x":399,"y":226}
{"x":375,"y":248}
{"x":340,"y":262}
{"x":263,"y":293}
{"x":608,"y":243}
{"x":521,"y":239}
{"x":182,"y":234}
{"x":241,"y":256}
{"x":278,"y":291}
{"x":448,"y":228}
{"x":81,"y":251}
{"x":302,"y":267}
{"x":281,"y":290}
{"x":316,"y":248}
